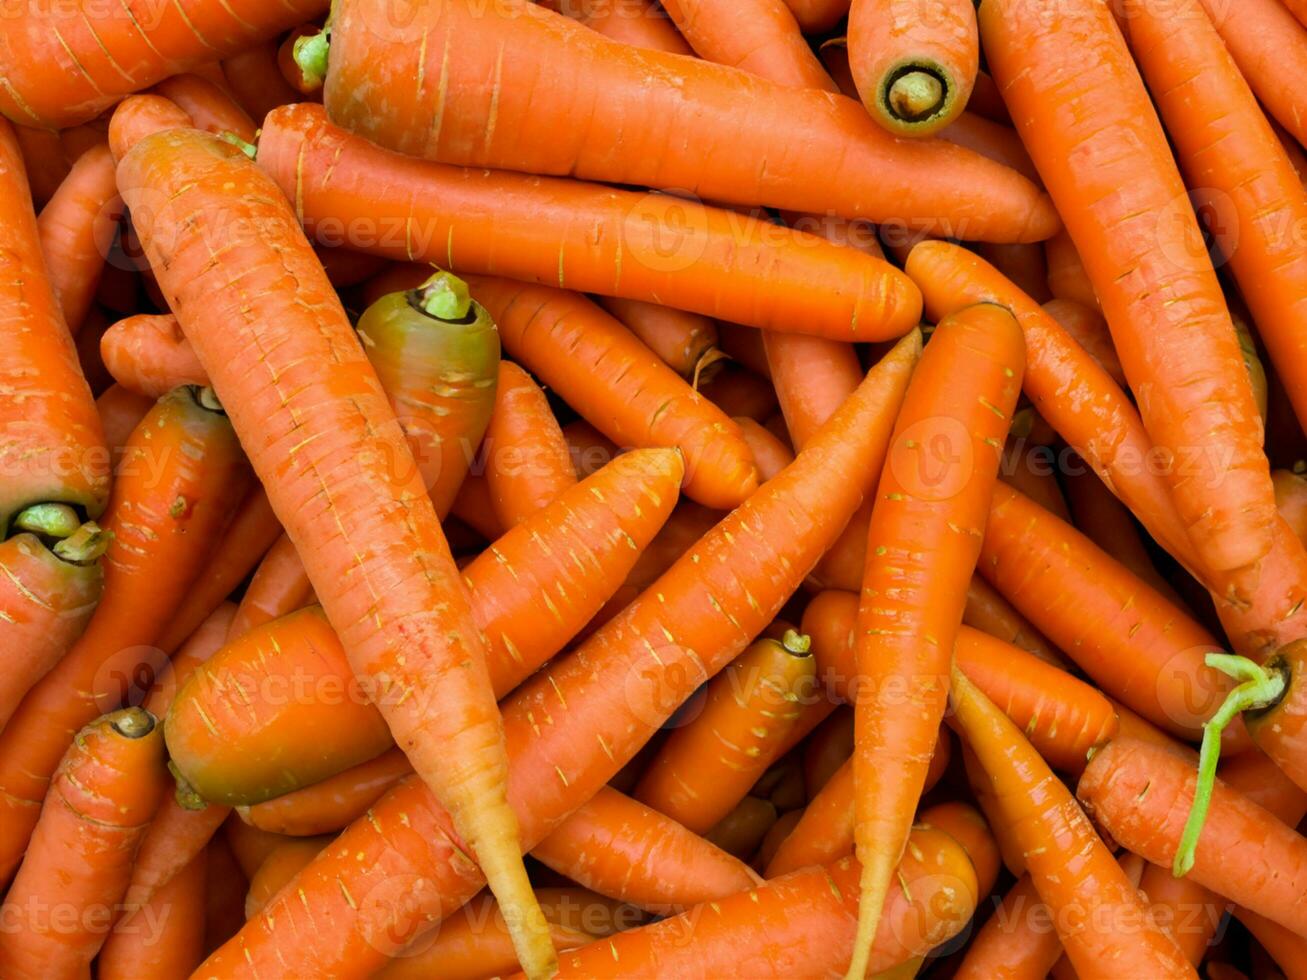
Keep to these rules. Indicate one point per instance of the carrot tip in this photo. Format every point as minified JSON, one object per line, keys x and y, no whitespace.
{"x":916,"y":94}
{"x":49,"y":520}
{"x":132,"y":722}
{"x":207,"y":398}
{"x":708,"y":366}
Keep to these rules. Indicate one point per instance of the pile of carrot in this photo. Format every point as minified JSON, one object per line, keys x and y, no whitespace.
{"x":790,"y":488}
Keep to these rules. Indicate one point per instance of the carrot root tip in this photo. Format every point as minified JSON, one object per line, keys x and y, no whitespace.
{"x":188,"y":798}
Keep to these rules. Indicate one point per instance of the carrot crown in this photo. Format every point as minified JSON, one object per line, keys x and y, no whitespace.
{"x":311,"y":53}
{"x":444,"y":296}
{"x":796,"y":643}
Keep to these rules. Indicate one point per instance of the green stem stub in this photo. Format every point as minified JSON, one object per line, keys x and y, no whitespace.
{"x":57,"y":521}
{"x":444,"y":297}
{"x":187,"y":797}
{"x":249,"y":149}
{"x":1257,"y":688}
{"x":311,"y":53}
{"x":798,"y":644}
{"x":84,"y":545}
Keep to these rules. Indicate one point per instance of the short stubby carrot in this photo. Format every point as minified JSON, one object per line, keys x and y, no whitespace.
{"x":137,"y":116}
{"x":613,"y":692}
{"x":648,"y":246}
{"x":1111,"y":172}
{"x":922,"y":543}
{"x":594,"y":85}
{"x":149,"y":354}
{"x":615,"y":383}
{"x":914,"y":66}
{"x":66,"y":64}
{"x":103,"y":795}
{"x":527,"y":462}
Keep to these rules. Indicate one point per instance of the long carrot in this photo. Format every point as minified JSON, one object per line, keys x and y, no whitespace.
{"x":615,"y":689}
{"x":1188,"y":912}
{"x":1088,"y":328}
{"x":685,"y":342}
{"x":1017,"y":943}
{"x":714,"y":262}
{"x":163,"y":939}
{"x":801,"y":925}
{"x":149,"y":354}
{"x":107,"y":787}
{"x":914,"y":72}
{"x":823,"y":133}
{"x":1070,"y":868}
{"x":66,"y":64}
{"x":990,"y":613}
{"x":528,"y":463}
{"x":1110,"y":170}
{"x":708,"y":764}
{"x":208,"y":105}
{"x":120,"y":411}
{"x":181,"y":477}
{"x":922,"y":543}
{"x":1142,"y":794}
{"x":1067,"y":278}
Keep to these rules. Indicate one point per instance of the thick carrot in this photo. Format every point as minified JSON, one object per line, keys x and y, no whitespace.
{"x":77,"y":228}
{"x":211,"y":109}
{"x":67,"y":64}
{"x":812,"y":376}
{"x":1088,"y":328}
{"x":280,"y":708}
{"x":1071,"y":869}
{"x":165,"y":938}
{"x":718,"y":263}
{"x":685,"y":342}
{"x":181,"y":477}
{"x":103,"y":795}
{"x":801,"y":925}
{"x":914,"y":72}
{"x":1067,"y":278}
{"x":708,"y":764}
{"x":528,"y":463}
{"x":922,"y":544}
{"x":865,"y":172}
{"x":615,"y":689}
{"x":1291,"y":499}
{"x":135,"y":118}
{"x":770,"y":455}
{"x":990,"y":613}
{"x":1142,"y":795}
{"x":149,"y":354}
{"x":256,"y":81}
{"x":967,"y":825}
{"x":1110,"y":170}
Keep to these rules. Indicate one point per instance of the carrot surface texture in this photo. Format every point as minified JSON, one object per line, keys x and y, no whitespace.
{"x":149,"y":354}
{"x":528,"y":463}
{"x":914,"y":63}
{"x":570,"y":730}
{"x":598,"y":85}
{"x":925,"y":532}
{"x":321,"y":434}
{"x":1111,"y":173}
{"x":66,"y":63}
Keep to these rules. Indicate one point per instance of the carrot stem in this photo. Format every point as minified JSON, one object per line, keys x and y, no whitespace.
{"x":246,"y":147}
{"x":311,"y":53}
{"x":186,"y":795}
{"x":207,"y":398}
{"x":133,"y":722}
{"x":1257,"y":688}
{"x":49,"y":520}
{"x":84,"y":545}
{"x":915,"y":94}
{"x":445,"y":297}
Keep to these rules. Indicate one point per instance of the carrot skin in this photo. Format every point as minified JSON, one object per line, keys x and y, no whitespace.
{"x":255,"y":80}
{"x":528,"y":463}
{"x":332,"y":804}
{"x":681,"y":340}
{"x":175,"y":944}
{"x":149,"y":354}
{"x":211,"y":109}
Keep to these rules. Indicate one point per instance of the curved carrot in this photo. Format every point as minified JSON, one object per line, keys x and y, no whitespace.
{"x":1067,"y":278}
{"x":211,"y":109}
{"x":1070,"y":868}
{"x":165,"y":938}
{"x":67,"y":64}
{"x":103,"y":794}
{"x":149,"y":354}
{"x":333,"y":803}
{"x":1244,"y":853}
{"x":1088,"y":328}
{"x":914,"y":72}
{"x":256,"y":81}
{"x":801,"y":925}
{"x":770,"y":455}
{"x":708,"y":765}
{"x":685,"y":342}
{"x":723,"y":264}
{"x":990,"y":613}
{"x":528,"y":464}
{"x":1111,"y":173}
{"x":612,"y":691}
{"x":279,"y":587}
{"x":922,"y":545}
{"x":181,"y":476}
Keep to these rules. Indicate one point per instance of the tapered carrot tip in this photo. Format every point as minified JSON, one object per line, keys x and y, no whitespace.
{"x":132,"y":722}
{"x":311,"y":53}
{"x":916,"y":95}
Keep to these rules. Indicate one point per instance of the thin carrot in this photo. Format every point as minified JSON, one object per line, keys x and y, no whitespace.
{"x":1071,"y":869}
{"x":1110,"y":170}
{"x":830,"y":745}
{"x":685,"y":342}
{"x":77,"y":228}
{"x":770,"y":455}
{"x":107,"y":787}
{"x":333,"y":803}
{"x":279,"y":867}
{"x":990,"y":613}
{"x":224,"y":902}
{"x":1017,"y":943}
{"x":1188,"y":912}
{"x":1023,"y":264}
{"x":528,"y":462}
{"x":211,"y":109}
{"x":738,"y":392}
{"x":1067,"y":278}
{"x":746,"y":579}
{"x":1244,"y":853}
{"x":1291,"y":499}
{"x":724,"y":265}
{"x":149,"y":354}
{"x":181,"y":477}
{"x":801,"y":925}
{"x":922,"y":544}
{"x":279,"y":587}
{"x":165,"y":938}
{"x":1088,"y":328}
{"x":812,"y":376}
{"x":708,"y":765}
{"x":256,"y":81}
{"x":914,"y":73}
{"x":874,"y":176}
{"x":1031,"y":470}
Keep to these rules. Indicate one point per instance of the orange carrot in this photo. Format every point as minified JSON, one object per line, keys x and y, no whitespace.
{"x":211,"y":109}
{"x":136,"y":117}
{"x":685,"y":342}
{"x":528,"y":462}
{"x":345,"y":267}
{"x":1291,"y":499}
{"x":923,"y":540}
{"x":1067,"y":278}
{"x":45,"y":161}
{"x":1188,"y":912}
{"x":279,"y":587}
{"x":256,"y":81}
{"x":914,"y":72}
{"x":738,"y":392}
{"x":329,"y":805}
{"x":812,"y":376}
{"x":990,"y":613}
{"x":224,"y":902}
{"x":1017,"y":943}
{"x":149,"y":354}
{"x":830,"y":745}
{"x":165,"y":938}
{"x":472,"y":505}
{"x":920,"y":183}
{"x":280,"y":866}
{"x":1023,"y":264}
{"x":1287,"y":948}
{"x":1088,"y":328}
{"x":966,"y":825}
{"x":1109,"y":168}
{"x":1031,"y":470}
{"x":120,"y":411}
{"x":994,"y":140}
{"x":107,"y":787}
{"x":1070,"y":868}
{"x":770,"y":455}
{"x":643,"y":24}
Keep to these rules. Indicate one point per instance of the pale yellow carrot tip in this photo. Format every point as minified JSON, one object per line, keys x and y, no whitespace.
{"x":84,"y":545}
{"x":445,"y":297}
{"x":796,"y":643}
{"x":527,"y":926}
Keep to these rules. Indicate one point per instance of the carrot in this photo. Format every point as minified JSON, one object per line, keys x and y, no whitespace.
{"x":812,"y":376}
{"x":990,"y":613}
{"x":181,"y":476}
{"x":1188,"y":912}
{"x":77,"y":229}
{"x":1288,"y":949}
{"x":149,"y":354}
{"x":1067,"y":278}
{"x":107,"y":787}
{"x":1181,"y":355}
{"x":738,"y":392}
{"x":1088,"y":329}
{"x":685,"y":342}
{"x":922,"y":544}
{"x":473,"y":506}
{"x":331,"y":804}
{"x":966,"y":825}
{"x":914,"y":72}
{"x":801,"y":925}
{"x":1244,"y":853}
{"x":1024,"y":265}
{"x":249,"y":846}
{"x":748,"y":581}
{"x":278,"y":868}
{"x":68,"y":64}
{"x":923,"y":184}
{"x":830,"y":745}
{"x":346,"y":268}
{"x":1291,"y":499}
{"x":52,"y":449}
{"x":137,"y":116}
{"x":211,"y":109}
{"x":279,"y":587}
{"x":643,"y":23}
{"x":1297,"y":156}
{"x":770,"y":455}
{"x":256,"y":81}
{"x":308,"y":87}
{"x":164,"y":939}
{"x":45,"y":161}
{"x":1069,"y":866}
{"x":724,"y":265}
{"x":280,"y":708}
{"x":1017,"y":943}
{"x":708,"y":765}
{"x":120,"y":411}
{"x":1031,"y":469}
{"x":528,"y":462}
